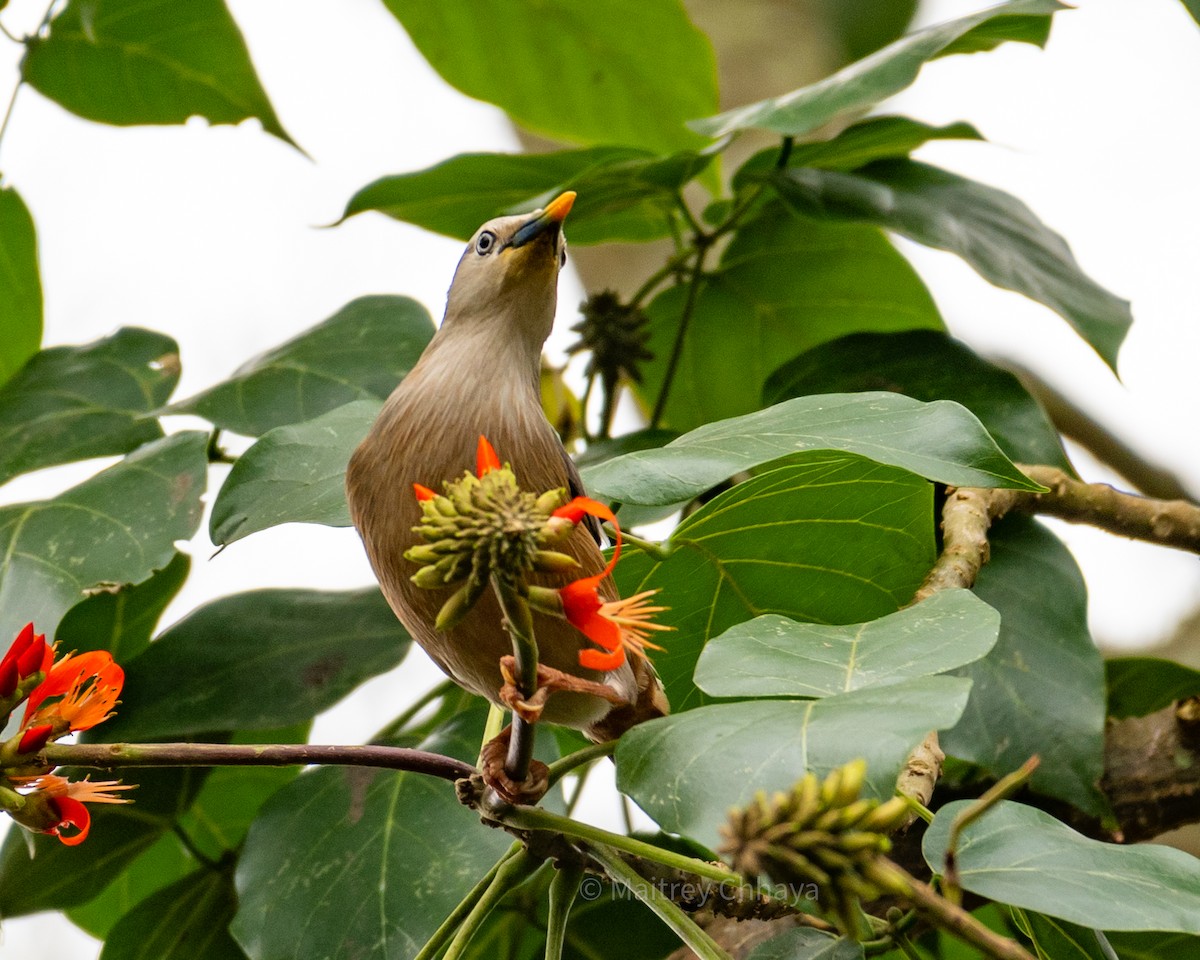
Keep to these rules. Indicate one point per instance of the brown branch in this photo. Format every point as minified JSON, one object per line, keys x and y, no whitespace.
{"x":113,"y":755}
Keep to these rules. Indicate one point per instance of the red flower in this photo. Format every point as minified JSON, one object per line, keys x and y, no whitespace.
{"x":619,"y":626}
{"x":485,"y":457}
{"x":423,"y":493}
{"x":53,"y":803}
{"x":88,"y":685}
{"x":29,"y":654}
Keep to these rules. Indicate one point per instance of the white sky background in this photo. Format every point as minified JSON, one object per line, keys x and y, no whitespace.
{"x":210,"y":235}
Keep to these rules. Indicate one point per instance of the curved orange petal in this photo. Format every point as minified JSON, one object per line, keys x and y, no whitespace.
{"x":598,"y":660}
{"x":422,"y":492}
{"x":485,"y":457}
{"x":575,"y":510}
{"x":67,"y":677}
{"x":74,"y":813}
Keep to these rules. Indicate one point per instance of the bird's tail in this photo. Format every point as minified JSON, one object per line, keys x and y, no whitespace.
{"x":651,"y":702}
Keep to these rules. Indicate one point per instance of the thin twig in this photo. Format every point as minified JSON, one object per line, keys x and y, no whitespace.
{"x":446,"y":929}
{"x":512,"y":871}
{"x":685,"y":319}
{"x":112,"y":755}
{"x":519,"y":623}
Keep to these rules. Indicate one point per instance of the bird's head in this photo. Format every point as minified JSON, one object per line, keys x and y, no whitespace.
{"x":507,"y":279}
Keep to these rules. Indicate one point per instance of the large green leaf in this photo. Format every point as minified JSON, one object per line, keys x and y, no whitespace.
{"x":123,"y":620}
{"x":858,"y":87}
{"x":624,"y":194}
{"x":1042,"y":686}
{"x":293,"y":474}
{"x":20,"y":284}
{"x":991,"y":230}
{"x":58,"y":876}
{"x":188,"y":920}
{"x":926,"y":365}
{"x":155,"y":61}
{"x":784,"y":285}
{"x":362,"y":351}
{"x":1155,"y":946}
{"x":117,"y":527}
{"x":1055,"y":939}
{"x":1019,"y":855}
{"x":831,"y":538}
{"x":628,"y":72}
{"x":403,"y":850}
{"x":773,"y":656}
{"x":875,"y":138}
{"x":257,"y":660}
{"x":688,"y":769}
{"x":941,"y":441}
{"x":71,"y":403}
{"x":1193,"y":7}
{"x":1138,"y":686}
{"x":214,"y":824}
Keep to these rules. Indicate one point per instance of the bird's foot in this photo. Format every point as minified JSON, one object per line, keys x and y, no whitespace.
{"x":492,"y":766}
{"x":549,"y":680}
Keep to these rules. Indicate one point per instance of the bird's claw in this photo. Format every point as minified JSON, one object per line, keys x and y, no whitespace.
{"x":492,"y":767}
{"x":549,"y":680}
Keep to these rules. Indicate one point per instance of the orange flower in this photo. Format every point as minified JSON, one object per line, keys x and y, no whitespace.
{"x":53,"y":803}
{"x":88,"y":685}
{"x":29,"y":654}
{"x":619,"y":626}
{"x":485,"y":457}
{"x":423,"y":493}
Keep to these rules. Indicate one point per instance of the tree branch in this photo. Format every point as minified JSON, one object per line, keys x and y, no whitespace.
{"x":112,"y":755}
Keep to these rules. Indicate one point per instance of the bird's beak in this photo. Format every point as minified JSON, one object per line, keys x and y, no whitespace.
{"x":550,"y":218}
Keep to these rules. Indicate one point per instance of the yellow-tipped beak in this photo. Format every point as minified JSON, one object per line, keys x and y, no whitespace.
{"x":551,"y":218}
{"x":558,"y":208}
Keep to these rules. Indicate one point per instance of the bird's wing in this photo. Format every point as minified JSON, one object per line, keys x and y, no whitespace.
{"x":575,"y":489}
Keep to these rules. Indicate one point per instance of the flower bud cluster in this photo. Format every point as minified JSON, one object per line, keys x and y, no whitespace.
{"x":821,"y":832}
{"x":482,"y":527}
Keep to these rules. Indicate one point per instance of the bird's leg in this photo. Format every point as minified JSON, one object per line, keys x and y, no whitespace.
{"x":492,"y":766}
{"x":549,"y":680}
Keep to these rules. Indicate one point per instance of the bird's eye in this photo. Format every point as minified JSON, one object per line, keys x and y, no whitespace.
{"x":485,"y":243}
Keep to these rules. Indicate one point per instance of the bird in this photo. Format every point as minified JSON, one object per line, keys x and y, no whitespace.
{"x":479,"y":376}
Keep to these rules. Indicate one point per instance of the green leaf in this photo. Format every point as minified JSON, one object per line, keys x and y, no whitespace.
{"x":361,"y":352}
{"x":688,"y":769}
{"x":117,"y":527}
{"x":1155,"y":946}
{"x":20,"y":285}
{"x":1193,"y":7}
{"x":863,"y":26}
{"x":1019,"y":855}
{"x":624,"y":194}
{"x":994,"y":232}
{"x":804,"y":943}
{"x":1055,"y":939}
{"x":156,"y":61}
{"x":72,"y":403}
{"x":257,"y":660}
{"x":858,"y":87}
{"x":751,"y":316}
{"x":876,"y":138}
{"x":1043,"y":682}
{"x":1138,"y":686}
{"x":627,"y":72}
{"x":293,"y":474}
{"x":831,"y":538}
{"x":941,"y":441}
{"x":188,"y":920}
{"x":164,"y":862}
{"x":773,"y":656}
{"x":123,"y":621}
{"x":58,"y":876}
{"x":926,"y":365}
{"x":406,"y":852}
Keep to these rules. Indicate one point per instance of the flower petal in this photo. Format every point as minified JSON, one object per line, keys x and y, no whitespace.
{"x":74,"y":813}
{"x":423,"y":493}
{"x":599,"y":660}
{"x":485,"y":457}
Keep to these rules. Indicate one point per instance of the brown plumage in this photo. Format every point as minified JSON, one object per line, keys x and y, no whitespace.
{"x":479,"y":375}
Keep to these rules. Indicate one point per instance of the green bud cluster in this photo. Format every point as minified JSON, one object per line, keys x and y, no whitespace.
{"x":616,"y":334}
{"x":483,"y":527}
{"x":820,"y":832}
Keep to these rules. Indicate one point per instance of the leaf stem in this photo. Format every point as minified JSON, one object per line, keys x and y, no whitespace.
{"x":443,"y":933}
{"x":510,"y":872}
{"x":561,"y":767}
{"x":704,"y":946}
{"x":113,"y":755}
{"x":563,"y":889}
{"x":533,"y":818}
{"x":8,"y":112}
{"x":397,"y":725}
{"x":685,"y":319}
